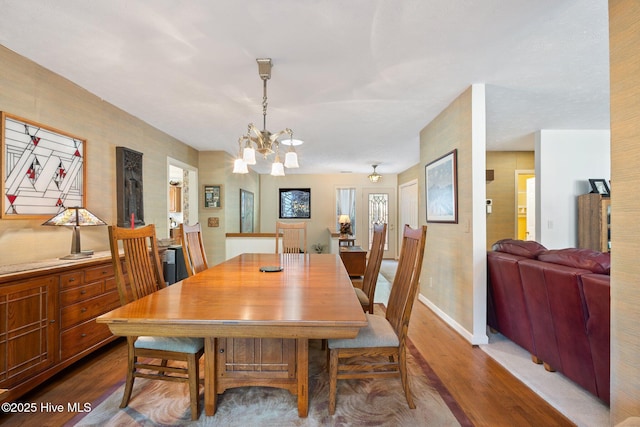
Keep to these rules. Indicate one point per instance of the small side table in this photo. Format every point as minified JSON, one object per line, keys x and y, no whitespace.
{"x":354,"y":259}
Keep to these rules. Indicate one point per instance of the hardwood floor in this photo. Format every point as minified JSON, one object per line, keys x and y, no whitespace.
{"x":488,"y":394}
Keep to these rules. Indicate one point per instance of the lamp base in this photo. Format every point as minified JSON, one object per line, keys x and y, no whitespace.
{"x":79,"y":255}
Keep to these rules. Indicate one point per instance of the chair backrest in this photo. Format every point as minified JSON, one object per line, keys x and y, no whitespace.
{"x":294,"y":234}
{"x":193,"y":249}
{"x":375,"y":259}
{"x":405,"y":282}
{"x":141,"y":260}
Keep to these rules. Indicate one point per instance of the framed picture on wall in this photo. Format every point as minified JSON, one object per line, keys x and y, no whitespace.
{"x":43,"y":169}
{"x":295,"y":203}
{"x":212,"y":196}
{"x":246,"y":211}
{"x":441,"y":187}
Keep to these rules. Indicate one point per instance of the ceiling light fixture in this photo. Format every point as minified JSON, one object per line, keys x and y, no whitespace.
{"x":263,"y":141}
{"x":374,"y":176}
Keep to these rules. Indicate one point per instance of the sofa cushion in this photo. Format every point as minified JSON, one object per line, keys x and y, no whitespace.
{"x":523,"y":248}
{"x":588,"y":259}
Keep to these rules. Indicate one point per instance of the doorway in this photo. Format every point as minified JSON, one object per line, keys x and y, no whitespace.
{"x":381,"y":208}
{"x":525,"y":204}
{"x":407,"y":207}
{"x":182,"y":193}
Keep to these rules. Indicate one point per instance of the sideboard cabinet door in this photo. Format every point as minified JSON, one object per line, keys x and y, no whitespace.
{"x":28,"y":329}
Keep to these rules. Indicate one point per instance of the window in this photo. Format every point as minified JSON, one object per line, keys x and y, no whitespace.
{"x":346,"y":205}
{"x":378,"y":214}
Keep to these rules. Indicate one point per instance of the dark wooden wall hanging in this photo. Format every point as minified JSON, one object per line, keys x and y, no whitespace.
{"x":129,"y":187}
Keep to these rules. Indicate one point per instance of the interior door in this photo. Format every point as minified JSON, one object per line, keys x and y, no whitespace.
{"x":381,"y":208}
{"x":407,"y":207}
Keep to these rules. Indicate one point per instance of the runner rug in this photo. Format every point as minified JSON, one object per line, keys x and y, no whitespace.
{"x":359,"y":402}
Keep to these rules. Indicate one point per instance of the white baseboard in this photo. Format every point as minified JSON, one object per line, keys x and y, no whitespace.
{"x":473,"y":340}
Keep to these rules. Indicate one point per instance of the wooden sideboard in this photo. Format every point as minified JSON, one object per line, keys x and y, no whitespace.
{"x":354,"y":259}
{"x":47,"y":313}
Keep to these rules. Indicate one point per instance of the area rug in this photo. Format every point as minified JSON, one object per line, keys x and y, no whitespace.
{"x":378,"y":402}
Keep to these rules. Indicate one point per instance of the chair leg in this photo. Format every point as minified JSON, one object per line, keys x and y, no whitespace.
{"x":403,"y":376}
{"x":131,"y":362}
{"x":333,"y":379}
{"x":193,"y":370}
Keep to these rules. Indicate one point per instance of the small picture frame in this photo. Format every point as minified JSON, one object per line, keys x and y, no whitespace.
{"x":212,"y":196}
{"x":600,"y":186}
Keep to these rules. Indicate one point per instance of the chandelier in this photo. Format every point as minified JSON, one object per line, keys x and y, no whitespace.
{"x":263,"y":141}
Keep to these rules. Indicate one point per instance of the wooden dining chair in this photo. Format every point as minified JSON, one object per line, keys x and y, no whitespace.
{"x":370,"y":279}
{"x":195,"y":257}
{"x":383,"y":340}
{"x":144,"y":273}
{"x":293,"y":235}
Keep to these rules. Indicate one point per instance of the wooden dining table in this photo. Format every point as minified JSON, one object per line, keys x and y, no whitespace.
{"x":236,"y":307}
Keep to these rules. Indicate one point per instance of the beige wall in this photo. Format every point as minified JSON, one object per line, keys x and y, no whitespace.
{"x":624,"y":29}
{"x":501,"y":222}
{"x":447,"y":273}
{"x":30,"y":91}
{"x":214,"y":168}
{"x":410,"y":174}
{"x":323,"y":205}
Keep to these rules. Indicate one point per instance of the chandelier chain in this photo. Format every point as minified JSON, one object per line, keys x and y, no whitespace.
{"x":264,"y":105}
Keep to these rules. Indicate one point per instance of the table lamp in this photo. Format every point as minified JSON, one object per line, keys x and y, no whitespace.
{"x":345,"y":225}
{"x":76,"y":217}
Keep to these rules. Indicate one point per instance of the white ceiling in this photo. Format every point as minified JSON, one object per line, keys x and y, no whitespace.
{"x":356,"y":80}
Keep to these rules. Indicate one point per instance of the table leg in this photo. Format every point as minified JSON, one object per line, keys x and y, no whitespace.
{"x":210,"y":395}
{"x":302,"y":362}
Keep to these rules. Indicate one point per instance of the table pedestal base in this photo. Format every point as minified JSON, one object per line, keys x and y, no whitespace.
{"x":243,"y":362}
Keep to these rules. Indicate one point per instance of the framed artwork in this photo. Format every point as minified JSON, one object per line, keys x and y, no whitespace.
{"x":212,"y":196}
{"x":129,"y":189}
{"x":600,"y":186}
{"x":43,"y":169}
{"x":246,"y":211}
{"x":441,"y":187}
{"x":295,"y":203}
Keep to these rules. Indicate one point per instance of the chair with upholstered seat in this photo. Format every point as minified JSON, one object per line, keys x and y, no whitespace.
{"x":383,"y":341}
{"x":144,"y":273}
{"x":294,"y":237}
{"x":370,"y":279}
{"x":193,"y":248}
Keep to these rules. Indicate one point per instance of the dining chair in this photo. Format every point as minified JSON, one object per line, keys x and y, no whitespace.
{"x":370,"y":279}
{"x":193,"y":248}
{"x":383,"y":341}
{"x":293,"y":235}
{"x":144,"y":273}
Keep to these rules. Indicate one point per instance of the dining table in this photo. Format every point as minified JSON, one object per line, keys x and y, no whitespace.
{"x":253,"y":301}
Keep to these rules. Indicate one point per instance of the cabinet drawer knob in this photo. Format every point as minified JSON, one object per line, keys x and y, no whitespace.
{"x":72,"y":280}
{"x":83,"y":335}
{"x":82,"y":292}
{"x":221,"y":350}
{"x":83,"y":309}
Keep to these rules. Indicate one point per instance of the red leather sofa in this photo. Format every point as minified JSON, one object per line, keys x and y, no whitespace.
{"x":556,"y":305}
